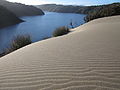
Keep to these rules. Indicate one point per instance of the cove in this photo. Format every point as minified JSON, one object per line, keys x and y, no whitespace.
{"x":39,"y":27}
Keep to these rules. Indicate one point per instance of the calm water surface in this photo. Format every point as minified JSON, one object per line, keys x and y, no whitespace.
{"x":39,"y":27}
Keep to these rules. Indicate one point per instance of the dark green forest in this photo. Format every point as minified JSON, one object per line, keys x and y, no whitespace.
{"x":104,"y":11}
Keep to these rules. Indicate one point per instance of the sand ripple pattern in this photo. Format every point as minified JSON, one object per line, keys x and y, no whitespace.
{"x":65,"y":76}
{"x":87,"y":60}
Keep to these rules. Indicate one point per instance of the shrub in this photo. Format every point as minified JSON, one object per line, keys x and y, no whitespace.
{"x":19,"y":42}
{"x":60,"y":31}
{"x":2,"y":54}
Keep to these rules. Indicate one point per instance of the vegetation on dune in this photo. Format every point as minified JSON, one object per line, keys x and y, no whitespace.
{"x":60,"y":31}
{"x":19,"y":42}
{"x":2,"y":54}
{"x":23,"y":40}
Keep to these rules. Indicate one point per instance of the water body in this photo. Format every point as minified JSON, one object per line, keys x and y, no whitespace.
{"x":39,"y":27}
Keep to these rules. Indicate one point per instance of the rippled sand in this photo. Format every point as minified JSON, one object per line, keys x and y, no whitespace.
{"x":86,"y":59}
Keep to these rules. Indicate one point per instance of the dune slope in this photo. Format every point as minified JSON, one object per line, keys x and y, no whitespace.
{"x":86,"y":59}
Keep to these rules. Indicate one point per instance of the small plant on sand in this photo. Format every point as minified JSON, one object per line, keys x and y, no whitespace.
{"x":2,"y":54}
{"x":19,"y":42}
{"x":61,"y":31}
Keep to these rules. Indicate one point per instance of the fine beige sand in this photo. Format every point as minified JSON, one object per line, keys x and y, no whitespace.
{"x":86,"y":59}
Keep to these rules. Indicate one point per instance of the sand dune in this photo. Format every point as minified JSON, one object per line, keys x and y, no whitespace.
{"x":86,"y":59}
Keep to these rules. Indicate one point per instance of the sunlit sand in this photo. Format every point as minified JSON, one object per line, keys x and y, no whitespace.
{"x":86,"y":59}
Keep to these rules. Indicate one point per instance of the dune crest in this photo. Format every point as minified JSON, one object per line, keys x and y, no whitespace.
{"x":86,"y":59}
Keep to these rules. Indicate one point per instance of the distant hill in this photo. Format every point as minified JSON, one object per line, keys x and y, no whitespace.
{"x":104,"y":11}
{"x":7,"y":18}
{"x":66,"y":8}
{"x":21,"y":9}
{"x":93,"y":12}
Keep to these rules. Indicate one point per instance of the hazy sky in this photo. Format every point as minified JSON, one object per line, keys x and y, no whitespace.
{"x":71,"y":2}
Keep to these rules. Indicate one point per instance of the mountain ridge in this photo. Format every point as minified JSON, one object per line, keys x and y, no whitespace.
{"x":72,"y":8}
{"x":21,"y":9}
{"x":65,"y":8}
{"x":93,"y":12}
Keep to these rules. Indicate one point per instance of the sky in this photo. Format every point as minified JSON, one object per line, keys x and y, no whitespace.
{"x":66,"y":2}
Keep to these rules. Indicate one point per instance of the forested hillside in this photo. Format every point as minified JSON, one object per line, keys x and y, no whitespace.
{"x":104,"y":11}
{"x":66,"y":8}
{"x":93,"y":12}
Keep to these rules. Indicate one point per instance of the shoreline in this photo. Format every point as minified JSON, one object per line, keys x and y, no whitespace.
{"x":80,"y":60}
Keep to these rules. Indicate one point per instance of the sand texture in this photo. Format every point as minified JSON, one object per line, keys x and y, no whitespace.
{"x":86,"y":59}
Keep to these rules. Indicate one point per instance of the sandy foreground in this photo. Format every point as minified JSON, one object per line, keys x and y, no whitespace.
{"x":86,"y":59}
